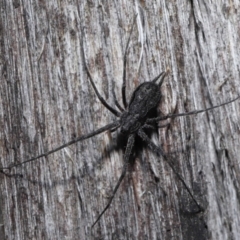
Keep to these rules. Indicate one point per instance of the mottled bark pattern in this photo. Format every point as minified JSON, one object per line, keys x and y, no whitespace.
{"x":46,"y":100}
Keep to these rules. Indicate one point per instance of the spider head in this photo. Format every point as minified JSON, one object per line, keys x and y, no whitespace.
{"x":159,"y":79}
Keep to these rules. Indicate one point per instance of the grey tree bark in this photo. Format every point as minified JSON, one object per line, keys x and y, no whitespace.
{"x":47,"y":100}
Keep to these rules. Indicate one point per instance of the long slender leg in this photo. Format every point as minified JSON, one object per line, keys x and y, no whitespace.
{"x":157,"y":119}
{"x":124,"y":67}
{"x":83,"y":137}
{"x":115,"y":98}
{"x":159,"y":151}
{"x":149,"y":126}
{"x":115,"y":112}
{"x":128,"y":151}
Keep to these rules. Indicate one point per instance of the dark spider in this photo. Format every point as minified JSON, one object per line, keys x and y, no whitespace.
{"x":133,"y":120}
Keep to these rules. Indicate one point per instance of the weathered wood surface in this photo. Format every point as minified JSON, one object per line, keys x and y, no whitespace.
{"x":47,"y":100}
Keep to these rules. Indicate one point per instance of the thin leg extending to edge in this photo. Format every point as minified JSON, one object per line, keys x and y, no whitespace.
{"x":159,"y":151}
{"x":127,"y":154}
{"x":83,"y":137}
{"x":157,"y":119}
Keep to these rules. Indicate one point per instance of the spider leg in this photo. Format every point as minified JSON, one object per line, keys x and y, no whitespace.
{"x":163,"y":125}
{"x":149,"y":126}
{"x":115,"y":99}
{"x":83,"y":137}
{"x":124,"y":67}
{"x":115,"y":112}
{"x":151,"y":120}
{"x":127,"y":154}
{"x":159,"y":151}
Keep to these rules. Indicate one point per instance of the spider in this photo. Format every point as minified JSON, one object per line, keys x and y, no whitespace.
{"x":133,"y":120}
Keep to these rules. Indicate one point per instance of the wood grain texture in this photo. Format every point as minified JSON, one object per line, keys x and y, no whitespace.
{"x":46,"y":100}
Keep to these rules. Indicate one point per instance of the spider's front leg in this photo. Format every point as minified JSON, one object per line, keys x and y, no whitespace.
{"x":157,"y":119}
{"x":130,"y":143}
{"x":159,"y":151}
